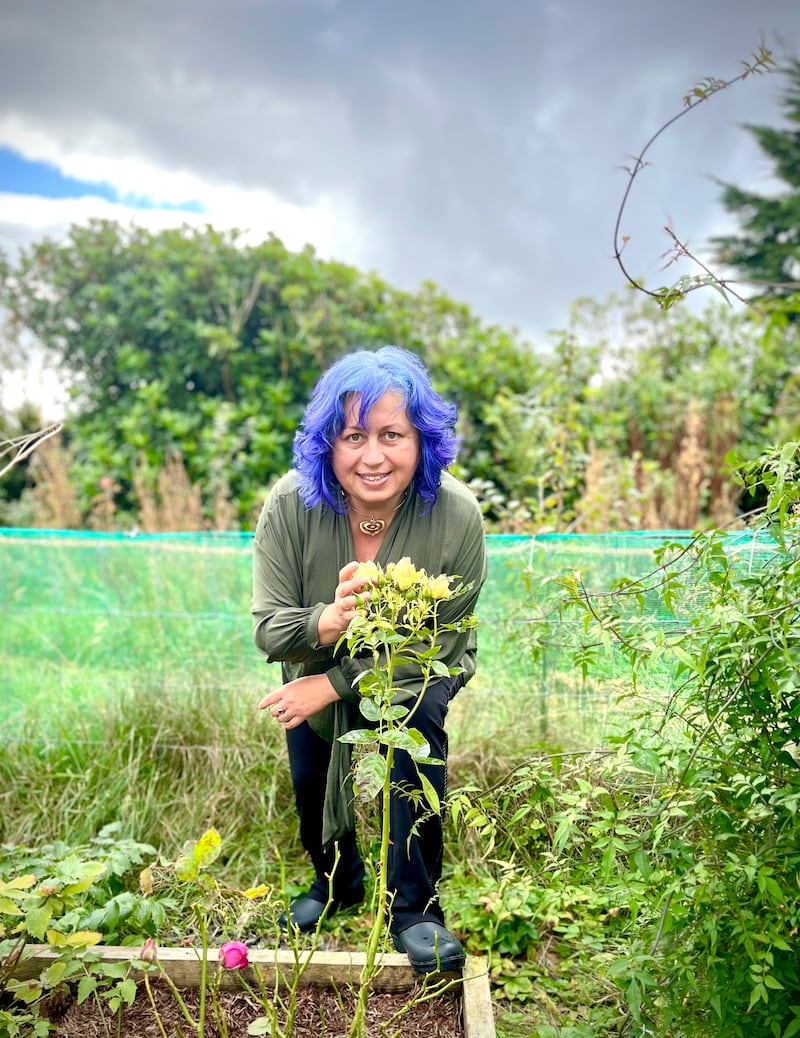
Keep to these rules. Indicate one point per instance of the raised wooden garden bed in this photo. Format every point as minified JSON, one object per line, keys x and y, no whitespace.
{"x":325,"y":969}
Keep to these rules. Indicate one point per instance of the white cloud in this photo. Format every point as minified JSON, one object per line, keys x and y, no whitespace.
{"x":23,"y":218}
{"x":327,"y":224}
{"x":486,"y":159}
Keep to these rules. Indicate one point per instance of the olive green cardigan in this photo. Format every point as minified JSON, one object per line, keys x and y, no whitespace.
{"x":298,"y":553}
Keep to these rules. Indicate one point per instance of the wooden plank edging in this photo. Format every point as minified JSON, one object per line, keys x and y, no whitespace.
{"x":322,"y":968}
{"x":476,"y":1000}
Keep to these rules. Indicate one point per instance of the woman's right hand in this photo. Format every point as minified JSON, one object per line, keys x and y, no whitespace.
{"x":335,"y":618}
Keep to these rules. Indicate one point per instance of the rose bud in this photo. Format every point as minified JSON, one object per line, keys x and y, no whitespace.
{"x":233,"y":955}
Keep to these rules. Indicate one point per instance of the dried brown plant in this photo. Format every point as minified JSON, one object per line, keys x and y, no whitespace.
{"x":170,"y":502}
{"x":619,"y":494}
{"x":53,"y":491}
{"x":104,"y":508}
{"x":225,"y":514}
{"x":691,"y":473}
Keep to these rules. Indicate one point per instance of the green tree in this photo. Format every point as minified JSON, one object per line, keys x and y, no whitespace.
{"x":541,"y":437}
{"x":766,"y":250}
{"x":192,"y":342}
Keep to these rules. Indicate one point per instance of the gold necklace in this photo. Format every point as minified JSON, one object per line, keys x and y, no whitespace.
{"x":374,"y":525}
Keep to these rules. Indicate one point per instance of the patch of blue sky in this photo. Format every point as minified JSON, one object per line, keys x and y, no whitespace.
{"x":21,"y":176}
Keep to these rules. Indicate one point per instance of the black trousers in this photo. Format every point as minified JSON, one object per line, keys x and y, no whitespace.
{"x":415,"y":852}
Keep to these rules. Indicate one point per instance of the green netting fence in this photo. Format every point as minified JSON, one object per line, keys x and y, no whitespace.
{"x":89,"y":615}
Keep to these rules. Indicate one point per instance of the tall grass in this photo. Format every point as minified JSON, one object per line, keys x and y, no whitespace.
{"x":165,"y":766}
{"x":166,"y":763}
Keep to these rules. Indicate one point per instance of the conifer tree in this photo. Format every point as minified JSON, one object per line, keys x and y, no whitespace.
{"x":766,"y":250}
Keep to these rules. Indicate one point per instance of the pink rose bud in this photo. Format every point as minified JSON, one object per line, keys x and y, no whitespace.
{"x":233,"y":955}
{"x":149,"y":952}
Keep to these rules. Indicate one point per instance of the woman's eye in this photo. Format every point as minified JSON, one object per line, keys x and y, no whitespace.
{"x":391,"y":436}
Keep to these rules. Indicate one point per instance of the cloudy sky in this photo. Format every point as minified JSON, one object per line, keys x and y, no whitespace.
{"x":477,"y":143}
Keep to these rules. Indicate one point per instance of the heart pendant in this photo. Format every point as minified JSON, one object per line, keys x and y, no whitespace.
{"x":371,"y":527}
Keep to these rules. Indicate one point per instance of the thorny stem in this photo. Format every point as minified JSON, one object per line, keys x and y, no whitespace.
{"x":156,"y":1013}
{"x":640,"y":586}
{"x":358,"y":1025}
{"x":421,"y":627}
{"x":177,"y":995}
{"x":382,"y":899}
{"x":681,"y":249}
{"x":201,"y":1022}
{"x":763,"y":62}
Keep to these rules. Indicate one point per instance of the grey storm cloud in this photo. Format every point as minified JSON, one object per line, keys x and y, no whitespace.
{"x":476,"y":144}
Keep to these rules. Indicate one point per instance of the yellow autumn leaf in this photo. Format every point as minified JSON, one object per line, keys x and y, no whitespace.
{"x":79,"y":939}
{"x":18,"y":883}
{"x":84,"y":939}
{"x":207,"y":847}
{"x":253,"y":893}
{"x":146,"y":881}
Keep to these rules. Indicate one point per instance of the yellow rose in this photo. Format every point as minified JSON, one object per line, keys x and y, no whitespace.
{"x":403,"y":573}
{"x":369,"y":571}
{"x":438,"y":587}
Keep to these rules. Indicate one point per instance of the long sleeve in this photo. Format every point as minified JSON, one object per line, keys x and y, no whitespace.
{"x":298,"y":553}
{"x":285,"y":622}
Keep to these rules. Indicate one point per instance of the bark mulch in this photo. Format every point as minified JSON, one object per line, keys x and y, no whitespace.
{"x":321,"y":1012}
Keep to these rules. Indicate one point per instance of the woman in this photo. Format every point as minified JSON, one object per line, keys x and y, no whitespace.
{"x":369,"y":483}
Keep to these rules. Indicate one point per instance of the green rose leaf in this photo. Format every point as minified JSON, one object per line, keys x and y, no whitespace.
{"x":370,"y":774}
{"x":370,"y":709}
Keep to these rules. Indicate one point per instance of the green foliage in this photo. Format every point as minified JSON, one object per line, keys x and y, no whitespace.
{"x":736,"y":370}
{"x":191,"y":342}
{"x":81,"y":887}
{"x":69,"y":898}
{"x":163,"y":762}
{"x":203,"y":903}
{"x":633,"y":405}
{"x":191,"y":345}
{"x":724,"y":818}
{"x":663,"y":869}
{"x":540,"y":440}
{"x":564,"y":887}
{"x":650,"y":887}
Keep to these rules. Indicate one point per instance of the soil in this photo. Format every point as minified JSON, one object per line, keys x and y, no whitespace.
{"x":321,"y":1012}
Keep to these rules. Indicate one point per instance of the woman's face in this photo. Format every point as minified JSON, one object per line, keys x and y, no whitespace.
{"x":376,"y":462}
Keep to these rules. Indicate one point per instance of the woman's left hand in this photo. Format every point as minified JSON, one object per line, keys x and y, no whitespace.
{"x":300,"y":699}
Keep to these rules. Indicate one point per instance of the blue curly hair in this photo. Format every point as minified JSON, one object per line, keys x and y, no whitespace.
{"x":370,"y":374}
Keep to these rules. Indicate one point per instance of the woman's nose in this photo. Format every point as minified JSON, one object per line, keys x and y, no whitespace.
{"x":373,"y":452}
